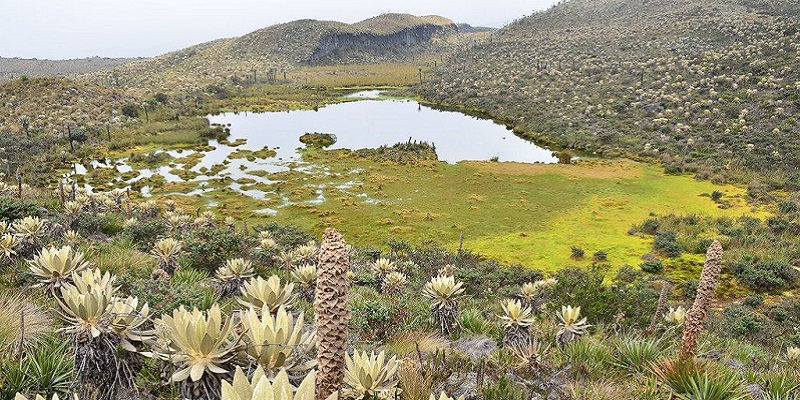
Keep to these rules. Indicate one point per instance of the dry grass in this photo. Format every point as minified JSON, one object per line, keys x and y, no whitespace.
{"x":22,"y":322}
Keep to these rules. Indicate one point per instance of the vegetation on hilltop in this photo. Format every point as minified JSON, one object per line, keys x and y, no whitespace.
{"x":267,"y":54}
{"x":703,"y":86}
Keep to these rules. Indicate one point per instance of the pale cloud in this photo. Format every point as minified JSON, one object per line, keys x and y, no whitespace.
{"x":58,"y":29}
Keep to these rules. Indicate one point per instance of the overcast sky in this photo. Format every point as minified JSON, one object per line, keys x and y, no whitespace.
{"x":60,"y":29}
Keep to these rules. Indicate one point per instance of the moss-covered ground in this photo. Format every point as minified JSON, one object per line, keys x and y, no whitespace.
{"x":518,"y":213}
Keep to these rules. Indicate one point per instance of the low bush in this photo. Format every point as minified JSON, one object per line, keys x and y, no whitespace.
{"x":765,"y":275}
{"x":12,"y":209}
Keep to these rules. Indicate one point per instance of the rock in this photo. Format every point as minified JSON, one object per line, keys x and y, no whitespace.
{"x":476,"y":347}
{"x":754,"y":390}
{"x":735,"y":364}
{"x":653,"y":108}
{"x":462,"y":385}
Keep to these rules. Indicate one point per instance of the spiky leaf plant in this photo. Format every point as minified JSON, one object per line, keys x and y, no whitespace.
{"x":176,"y":221}
{"x":692,"y":379}
{"x":8,"y":248}
{"x":277,"y":342}
{"x":532,"y":357}
{"x":23,"y":324}
{"x":444,"y":292}
{"x":71,"y":238}
{"x":675,"y":316}
{"x":52,"y":267}
{"x":203,"y":346}
{"x":30,"y":231}
{"x":306,"y":278}
{"x":393,"y":283}
{"x":287,"y":260}
{"x":306,"y":253}
{"x":85,"y":308}
{"x":21,"y":396}
{"x":793,"y":354}
{"x":128,"y":321}
{"x":267,"y":295}
{"x":230,"y":277}
{"x":444,"y":396}
{"x":382,"y":267}
{"x":534,"y":294}
{"x":370,"y":375}
{"x":516,"y":324}
{"x":571,"y":325}
{"x":166,"y":251}
{"x":332,"y":313}
{"x":260,"y":387}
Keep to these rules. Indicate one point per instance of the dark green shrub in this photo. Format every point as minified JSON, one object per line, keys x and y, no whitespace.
{"x":742,"y":321}
{"x":372,"y":318}
{"x":208,"y":249}
{"x":716,"y":196}
{"x":576,"y":253}
{"x":91,"y":223}
{"x":12,"y":209}
{"x":146,"y":232}
{"x":765,"y":275}
{"x":703,"y":245}
{"x":650,"y":226}
{"x":653,"y":266}
{"x":778,"y":224}
{"x":666,"y":244}
{"x":753,"y":300}
{"x":130,"y":110}
{"x":628,"y":295}
{"x":286,"y":236}
{"x":689,"y":288}
{"x":163,"y":296}
{"x":600,"y":256}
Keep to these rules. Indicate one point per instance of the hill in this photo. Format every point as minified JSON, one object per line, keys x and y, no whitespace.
{"x":710,"y":86}
{"x":284,"y":47}
{"x":49,"y":103}
{"x":11,"y":68}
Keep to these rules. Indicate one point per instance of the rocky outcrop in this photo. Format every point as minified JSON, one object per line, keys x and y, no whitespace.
{"x":337,"y":42}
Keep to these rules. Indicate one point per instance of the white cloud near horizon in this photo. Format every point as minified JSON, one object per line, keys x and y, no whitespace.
{"x":62,"y":29}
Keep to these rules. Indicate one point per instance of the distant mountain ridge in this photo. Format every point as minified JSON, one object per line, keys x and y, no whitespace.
{"x":16,"y":67}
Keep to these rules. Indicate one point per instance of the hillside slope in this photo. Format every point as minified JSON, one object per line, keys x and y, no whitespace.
{"x":283,"y":47}
{"x":712,"y":84}
{"x":50,"y":103}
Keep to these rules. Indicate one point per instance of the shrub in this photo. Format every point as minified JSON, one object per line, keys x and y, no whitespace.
{"x":146,"y":233}
{"x":665,"y":243}
{"x":286,"y":236}
{"x":649,"y":226}
{"x":600,"y":256}
{"x":653,"y":266}
{"x":742,"y":321}
{"x":689,"y":288}
{"x":12,"y":209}
{"x":716,"y":196}
{"x":765,"y":275}
{"x":208,"y":249}
{"x":109,"y":224}
{"x":577,"y":253}
{"x":600,"y":302}
{"x":753,"y":300}
{"x":372,"y":318}
{"x":130,"y":110}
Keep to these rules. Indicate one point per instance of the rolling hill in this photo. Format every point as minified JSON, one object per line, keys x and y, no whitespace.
{"x":283,"y":47}
{"x":710,"y":86}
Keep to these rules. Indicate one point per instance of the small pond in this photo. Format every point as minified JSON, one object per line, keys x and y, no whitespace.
{"x":269,"y":142}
